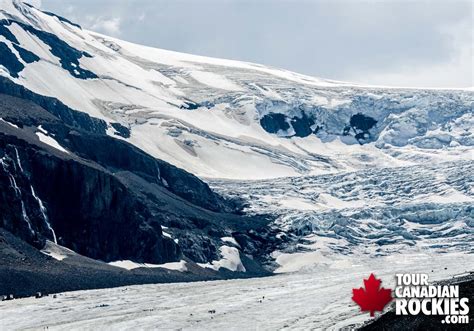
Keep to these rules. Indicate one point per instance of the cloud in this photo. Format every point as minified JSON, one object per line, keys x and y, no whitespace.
{"x":108,"y":26}
{"x":456,"y":70}
{"x":141,"y":17}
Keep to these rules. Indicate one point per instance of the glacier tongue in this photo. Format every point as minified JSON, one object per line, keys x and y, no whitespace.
{"x":302,"y":301}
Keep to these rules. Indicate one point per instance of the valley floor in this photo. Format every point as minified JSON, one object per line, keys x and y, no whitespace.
{"x":315,"y":299}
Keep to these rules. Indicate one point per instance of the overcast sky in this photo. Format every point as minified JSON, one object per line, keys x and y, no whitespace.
{"x":399,"y":43}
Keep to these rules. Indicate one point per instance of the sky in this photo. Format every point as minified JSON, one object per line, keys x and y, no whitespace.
{"x":416,"y":43}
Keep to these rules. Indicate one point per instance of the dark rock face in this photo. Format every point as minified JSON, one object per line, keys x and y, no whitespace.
{"x":26,"y":55}
{"x":90,"y":210}
{"x":119,"y":155}
{"x":274,"y":122}
{"x":121,"y":130}
{"x":4,"y":31}
{"x":97,"y":216}
{"x":69,"y":116}
{"x":9,"y":60}
{"x":105,"y":199}
{"x":13,"y":204}
{"x":361,"y":125}
{"x":362,"y":122}
{"x":304,"y":125}
{"x":68,"y":56}
{"x":190,"y":105}
{"x":191,"y":188}
{"x":24,"y":271}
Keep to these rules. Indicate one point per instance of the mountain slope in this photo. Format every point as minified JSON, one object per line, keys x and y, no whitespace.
{"x":197,"y":113}
{"x":64,"y":180}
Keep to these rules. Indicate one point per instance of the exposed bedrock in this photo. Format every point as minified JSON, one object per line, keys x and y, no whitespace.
{"x":303,"y":125}
{"x":103,"y":197}
{"x":89,"y":210}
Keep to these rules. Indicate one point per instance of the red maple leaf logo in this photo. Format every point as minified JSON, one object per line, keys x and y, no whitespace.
{"x":373,"y":298}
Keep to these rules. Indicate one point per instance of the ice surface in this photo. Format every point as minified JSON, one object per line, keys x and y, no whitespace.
{"x":214,"y":80}
{"x":371,"y":212}
{"x":318,"y":299}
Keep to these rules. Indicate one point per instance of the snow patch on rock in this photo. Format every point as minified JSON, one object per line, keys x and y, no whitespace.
{"x":129,"y":265}
{"x":230,"y":260}
{"x":56,"y":251}
{"x":51,"y":142}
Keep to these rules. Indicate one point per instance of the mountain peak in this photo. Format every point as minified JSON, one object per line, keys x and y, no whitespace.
{"x":26,"y":13}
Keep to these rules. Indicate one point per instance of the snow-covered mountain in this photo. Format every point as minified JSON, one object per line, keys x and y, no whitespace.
{"x":282,"y":173}
{"x":227,"y":119}
{"x":322,"y":169}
